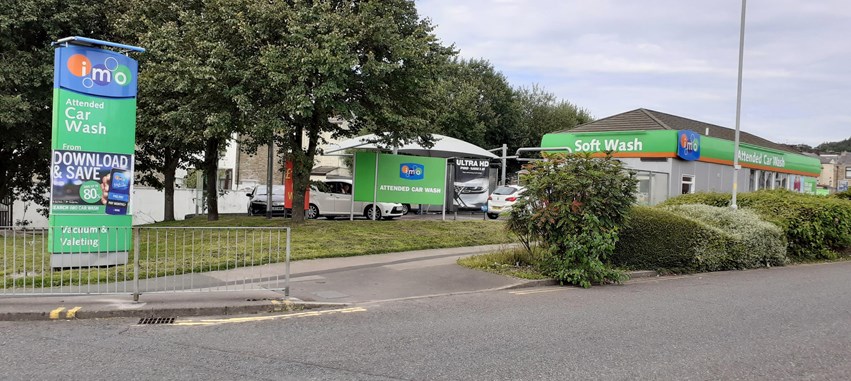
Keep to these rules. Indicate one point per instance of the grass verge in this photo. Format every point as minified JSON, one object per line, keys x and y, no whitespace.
{"x":197,"y":245}
{"x":516,"y":262}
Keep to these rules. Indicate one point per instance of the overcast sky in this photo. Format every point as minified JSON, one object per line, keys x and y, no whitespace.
{"x":674,"y":56}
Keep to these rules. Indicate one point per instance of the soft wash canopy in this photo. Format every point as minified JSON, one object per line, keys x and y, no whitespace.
{"x":444,"y":146}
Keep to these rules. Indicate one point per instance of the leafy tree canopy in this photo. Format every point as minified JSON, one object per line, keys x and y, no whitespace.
{"x":840,"y":146}
{"x":372,"y":63}
{"x":27,"y":27}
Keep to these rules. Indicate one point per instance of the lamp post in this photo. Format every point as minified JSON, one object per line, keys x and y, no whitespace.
{"x":736,"y":165}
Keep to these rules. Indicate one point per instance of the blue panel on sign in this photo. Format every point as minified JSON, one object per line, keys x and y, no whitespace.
{"x":411,"y":171}
{"x":688,"y":145}
{"x":95,"y":72}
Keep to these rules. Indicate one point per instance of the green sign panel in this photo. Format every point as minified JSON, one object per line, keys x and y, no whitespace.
{"x":402,"y":179}
{"x":667,"y":143}
{"x":642,"y":143}
{"x":93,"y":141}
{"x":751,"y":156}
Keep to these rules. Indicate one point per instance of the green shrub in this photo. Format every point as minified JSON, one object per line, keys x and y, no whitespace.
{"x":705,"y":198}
{"x":843,"y":195}
{"x":660,"y":239}
{"x":574,"y":207}
{"x":752,"y":242}
{"x":815,"y":227}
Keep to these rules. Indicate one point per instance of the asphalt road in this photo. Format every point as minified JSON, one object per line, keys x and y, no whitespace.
{"x":788,"y":323}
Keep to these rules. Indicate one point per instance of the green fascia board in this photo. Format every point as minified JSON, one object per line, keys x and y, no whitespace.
{"x":663,"y":143}
{"x":623,"y":142}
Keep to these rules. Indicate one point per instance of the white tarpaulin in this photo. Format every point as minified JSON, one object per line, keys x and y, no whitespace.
{"x":444,"y":146}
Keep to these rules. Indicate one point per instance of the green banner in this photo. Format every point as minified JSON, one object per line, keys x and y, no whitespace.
{"x":751,"y":156}
{"x":641,"y":143}
{"x":93,"y":141}
{"x":401,"y":178}
{"x":664,"y":143}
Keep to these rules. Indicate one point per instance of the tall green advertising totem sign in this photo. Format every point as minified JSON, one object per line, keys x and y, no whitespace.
{"x":93,"y":140}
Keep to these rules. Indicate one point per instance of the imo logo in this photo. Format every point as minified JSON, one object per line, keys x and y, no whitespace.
{"x":101,"y":74}
{"x":411,"y":171}
{"x":689,"y":145}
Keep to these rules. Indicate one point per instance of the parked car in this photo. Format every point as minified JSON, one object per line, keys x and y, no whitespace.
{"x":257,"y":200}
{"x":502,"y":199}
{"x":333,"y":198}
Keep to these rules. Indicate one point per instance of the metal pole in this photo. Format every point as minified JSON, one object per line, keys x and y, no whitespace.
{"x":269,"y":165}
{"x":287,"y":275}
{"x":504,"y":154}
{"x":354,"y":172}
{"x":375,"y":187}
{"x":136,"y":253}
{"x":445,"y":193}
{"x":738,"y":107}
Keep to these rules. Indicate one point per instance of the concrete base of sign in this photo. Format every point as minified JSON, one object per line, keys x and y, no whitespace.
{"x":64,"y":261}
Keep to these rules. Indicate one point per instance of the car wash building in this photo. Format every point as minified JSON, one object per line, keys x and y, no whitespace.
{"x":672,"y":155}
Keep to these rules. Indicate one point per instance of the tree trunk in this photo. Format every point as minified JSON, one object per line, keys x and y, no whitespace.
{"x":169,"y":174}
{"x":303,"y":160}
{"x":211,"y":168}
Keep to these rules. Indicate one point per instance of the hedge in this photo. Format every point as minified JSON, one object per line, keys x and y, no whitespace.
{"x":752,"y":242}
{"x":846,"y":195}
{"x":658,"y":239}
{"x":816,"y":227}
{"x":695,"y":238}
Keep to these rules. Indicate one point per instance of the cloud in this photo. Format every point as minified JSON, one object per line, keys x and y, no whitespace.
{"x":679,"y":57}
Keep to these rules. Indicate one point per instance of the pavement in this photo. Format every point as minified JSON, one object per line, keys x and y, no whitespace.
{"x":317,"y":283}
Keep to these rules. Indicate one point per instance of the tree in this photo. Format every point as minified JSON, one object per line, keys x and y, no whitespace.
{"x":840,"y":146}
{"x":477,"y":105}
{"x":192,"y":87}
{"x":372,"y":63}
{"x":541,"y":113}
{"x":574,"y":206}
{"x":27,"y":27}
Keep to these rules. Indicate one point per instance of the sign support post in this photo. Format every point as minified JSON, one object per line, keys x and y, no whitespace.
{"x":354,"y":177}
{"x":375,"y":186}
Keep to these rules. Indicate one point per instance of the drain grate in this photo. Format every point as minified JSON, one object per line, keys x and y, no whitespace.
{"x":156,"y":320}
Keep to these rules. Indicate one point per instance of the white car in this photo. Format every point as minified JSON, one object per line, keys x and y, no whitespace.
{"x":335,"y":200}
{"x":502,"y":199}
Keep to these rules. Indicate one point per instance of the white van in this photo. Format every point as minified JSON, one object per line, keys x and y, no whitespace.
{"x":335,"y":200}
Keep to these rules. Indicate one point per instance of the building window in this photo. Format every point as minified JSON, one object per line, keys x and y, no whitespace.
{"x":688,"y":184}
{"x":848,"y":172}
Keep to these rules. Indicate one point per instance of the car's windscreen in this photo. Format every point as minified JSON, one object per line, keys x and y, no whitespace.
{"x":276,"y":189}
{"x":504,"y":190}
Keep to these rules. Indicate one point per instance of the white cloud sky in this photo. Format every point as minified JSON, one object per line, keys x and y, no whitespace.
{"x":673,"y":56}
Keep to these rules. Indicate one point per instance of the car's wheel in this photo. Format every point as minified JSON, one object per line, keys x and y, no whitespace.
{"x":493,"y":216}
{"x":368,"y":212}
{"x":405,"y":209}
{"x":312,"y":212}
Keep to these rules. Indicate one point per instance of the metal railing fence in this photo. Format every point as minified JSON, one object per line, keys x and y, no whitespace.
{"x":121,"y":260}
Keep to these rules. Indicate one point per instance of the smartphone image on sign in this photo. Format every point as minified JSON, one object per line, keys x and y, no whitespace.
{"x":119,"y":192}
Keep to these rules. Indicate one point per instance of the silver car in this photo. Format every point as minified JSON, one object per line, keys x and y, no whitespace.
{"x":334,"y":199}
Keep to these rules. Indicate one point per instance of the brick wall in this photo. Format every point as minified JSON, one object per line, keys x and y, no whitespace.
{"x":252,"y":168}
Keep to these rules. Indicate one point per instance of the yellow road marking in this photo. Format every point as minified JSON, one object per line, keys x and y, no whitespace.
{"x":527,"y":292}
{"x":55,"y":313}
{"x":72,"y":313}
{"x":204,"y":322}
